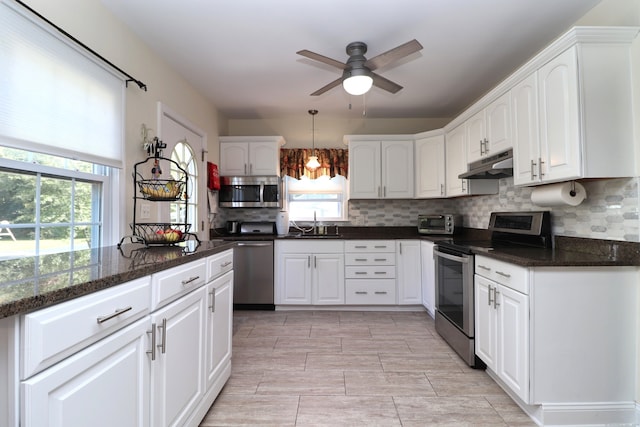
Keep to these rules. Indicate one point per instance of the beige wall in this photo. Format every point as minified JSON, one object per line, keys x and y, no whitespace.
{"x":329,"y":130}
{"x":90,"y":22}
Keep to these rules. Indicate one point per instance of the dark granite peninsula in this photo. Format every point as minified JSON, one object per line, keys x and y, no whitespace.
{"x":31,"y":283}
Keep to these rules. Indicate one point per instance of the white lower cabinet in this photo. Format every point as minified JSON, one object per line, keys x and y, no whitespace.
{"x":409,"y":273}
{"x":370,"y":272}
{"x":106,"y":384}
{"x":104,"y":360}
{"x":177,"y":373}
{"x":310,"y":272}
{"x":428,"y":277}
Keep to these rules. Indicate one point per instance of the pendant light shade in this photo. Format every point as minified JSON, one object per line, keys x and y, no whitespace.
{"x":313,"y":162}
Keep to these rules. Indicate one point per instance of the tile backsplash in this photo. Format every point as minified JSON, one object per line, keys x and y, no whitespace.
{"x":611,"y":210}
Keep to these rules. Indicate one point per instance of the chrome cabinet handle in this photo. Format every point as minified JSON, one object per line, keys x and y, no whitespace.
{"x":380,"y":272}
{"x":226,"y":264}
{"x":212,"y":306}
{"x":190,"y":280}
{"x":360,"y":247}
{"x":533,"y":168}
{"x":163,"y":345}
{"x":117,"y":313}
{"x":379,"y":193}
{"x":489,"y":296}
{"x":380,"y":246}
{"x":400,"y":244}
{"x":464,"y":190}
{"x":442,"y":189}
{"x":250,"y":168}
{"x":379,"y":259}
{"x":361,"y":272}
{"x":361,"y":292}
{"x":540,"y":163}
{"x":308,"y":261}
{"x":361,"y":259}
{"x":384,"y":191}
{"x":503,"y":274}
{"x":486,"y":143}
{"x":152,"y":352}
{"x":481,"y":150}
{"x":380,"y":292}
{"x":245,"y":168}
{"x":315,"y":261}
{"x":483,"y":267}
{"x":495,"y":298}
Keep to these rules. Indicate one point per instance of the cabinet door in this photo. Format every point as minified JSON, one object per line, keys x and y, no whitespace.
{"x":328,"y":279}
{"x":177,"y":374}
{"x":428,"y":277}
{"x":106,"y":384}
{"x":429,"y":167}
{"x":293,"y":278}
{"x":234,"y":158}
{"x":364,"y":170}
{"x":456,"y":160}
{"x":409,"y":272}
{"x":476,"y":135}
{"x":219,"y":325}
{"x":526,"y":140}
{"x":264,"y":158}
{"x":559,"y":117}
{"x":513,"y":340}
{"x":485,"y":322}
{"x":498,"y":126}
{"x":397,"y":169}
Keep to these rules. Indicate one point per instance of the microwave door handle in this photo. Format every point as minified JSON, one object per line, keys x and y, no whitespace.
{"x":463,"y":259}
{"x":261,"y":193}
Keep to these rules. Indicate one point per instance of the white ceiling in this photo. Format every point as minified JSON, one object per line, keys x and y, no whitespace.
{"x":241,"y":54}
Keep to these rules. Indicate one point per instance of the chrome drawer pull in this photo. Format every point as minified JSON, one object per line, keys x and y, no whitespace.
{"x":361,"y":259}
{"x":489,"y":295}
{"x":484,"y":268}
{"x":361,"y":292}
{"x":152,"y":352}
{"x":117,"y":313}
{"x":361,"y":272}
{"x":360,"y":247}
{"x":226,"y":264}
{"x":163,"y":346}
{"x":380,"y":246}
{"x":380,"y":272}
{"x":213,"y":301}
{"x":495,"y":298}
{"x":189,"y":280}
{"x":380,"y":292}
{"x":380,"y":259}
{"x":503,"y":274}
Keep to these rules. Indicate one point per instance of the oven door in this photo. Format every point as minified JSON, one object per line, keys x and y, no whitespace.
{"x":454,"y":288}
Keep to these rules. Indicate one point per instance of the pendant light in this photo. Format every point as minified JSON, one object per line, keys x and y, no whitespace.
{"x":313,"y":162}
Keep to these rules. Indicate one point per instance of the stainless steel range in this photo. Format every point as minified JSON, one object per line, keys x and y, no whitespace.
{"x":454,"y":264}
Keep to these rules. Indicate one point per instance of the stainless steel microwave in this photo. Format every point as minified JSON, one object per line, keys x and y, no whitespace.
{"x":438,"y":224}
{"x":250,"y":192}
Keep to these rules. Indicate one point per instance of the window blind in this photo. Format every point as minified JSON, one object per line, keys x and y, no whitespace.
{"x":53,"y":98}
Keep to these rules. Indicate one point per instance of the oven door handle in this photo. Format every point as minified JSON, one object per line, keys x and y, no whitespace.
{"x":463,"y":259}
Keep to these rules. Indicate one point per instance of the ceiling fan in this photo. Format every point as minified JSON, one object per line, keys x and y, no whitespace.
{"x":358,"y":76}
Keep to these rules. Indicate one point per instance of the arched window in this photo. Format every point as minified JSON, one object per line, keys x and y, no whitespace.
{"x":183,"y":154}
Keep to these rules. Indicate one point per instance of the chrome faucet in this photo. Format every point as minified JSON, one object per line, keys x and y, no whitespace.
{"x":314,"y":231}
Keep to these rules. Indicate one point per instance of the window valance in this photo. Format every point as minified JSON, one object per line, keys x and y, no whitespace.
{"x":333,"y":161}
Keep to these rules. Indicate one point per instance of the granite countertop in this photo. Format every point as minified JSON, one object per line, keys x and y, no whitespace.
{"x":31,"y":283}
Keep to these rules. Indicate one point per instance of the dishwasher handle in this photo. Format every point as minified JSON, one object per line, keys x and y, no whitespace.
{"x":254,"y":244}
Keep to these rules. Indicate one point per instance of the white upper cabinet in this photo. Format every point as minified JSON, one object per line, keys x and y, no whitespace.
{"x":380,"y":169}
{"x":489,"y":130}
{"x":572,"y":115}
{"x":243,"y":156}
{"x":429,"y":166}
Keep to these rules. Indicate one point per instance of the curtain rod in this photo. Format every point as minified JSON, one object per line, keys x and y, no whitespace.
{"x":87,"y":48}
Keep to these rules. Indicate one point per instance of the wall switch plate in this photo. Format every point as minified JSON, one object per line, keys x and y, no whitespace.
{"x":145,"y":211}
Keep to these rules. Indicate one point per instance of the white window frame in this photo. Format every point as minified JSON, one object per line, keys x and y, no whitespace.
{"x":323,"y":189}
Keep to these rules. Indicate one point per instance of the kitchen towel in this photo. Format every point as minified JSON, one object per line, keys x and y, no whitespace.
{"x":561,"y":194}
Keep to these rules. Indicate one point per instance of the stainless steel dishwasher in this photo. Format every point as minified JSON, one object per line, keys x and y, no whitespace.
{"x":253,"y":270}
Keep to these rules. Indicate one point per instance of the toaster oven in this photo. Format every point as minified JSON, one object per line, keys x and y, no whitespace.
{"x":438,"y":224}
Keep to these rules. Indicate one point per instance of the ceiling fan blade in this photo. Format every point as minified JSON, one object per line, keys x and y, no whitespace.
{"x":322,"y":58}
{"x":393,"y":55}
{"x":325,"y":88}
{"x":385,"y":84}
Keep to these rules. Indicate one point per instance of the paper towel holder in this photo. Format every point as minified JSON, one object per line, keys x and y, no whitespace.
{"x":573,"y":193}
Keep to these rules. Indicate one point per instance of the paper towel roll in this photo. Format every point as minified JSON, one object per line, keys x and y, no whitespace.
{"x":559,"y":194}
{"x":282,"y":223}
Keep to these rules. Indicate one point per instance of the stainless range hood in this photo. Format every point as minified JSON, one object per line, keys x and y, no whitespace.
{"x":492,"y":167}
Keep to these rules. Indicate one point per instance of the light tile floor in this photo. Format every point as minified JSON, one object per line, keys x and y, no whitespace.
{"x":328,"y":368}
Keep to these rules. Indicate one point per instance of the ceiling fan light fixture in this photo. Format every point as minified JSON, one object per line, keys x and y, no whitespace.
{"x":357,"y":84}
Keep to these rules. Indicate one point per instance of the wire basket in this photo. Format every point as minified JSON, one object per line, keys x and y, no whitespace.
{"x":161,"y":233}
{"x":161,"y":189}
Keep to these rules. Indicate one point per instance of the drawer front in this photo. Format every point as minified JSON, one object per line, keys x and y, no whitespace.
{"x":370,"y":272}
{"x":510,"y":275}
{"x":317,"y":246}
{"x":219,"y":264}
{"x":366,"y":258}
{"x":51,"y":334}
{"x":370,"y":246}
{"x":370,"y":292}
{"x":169,"y":284}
